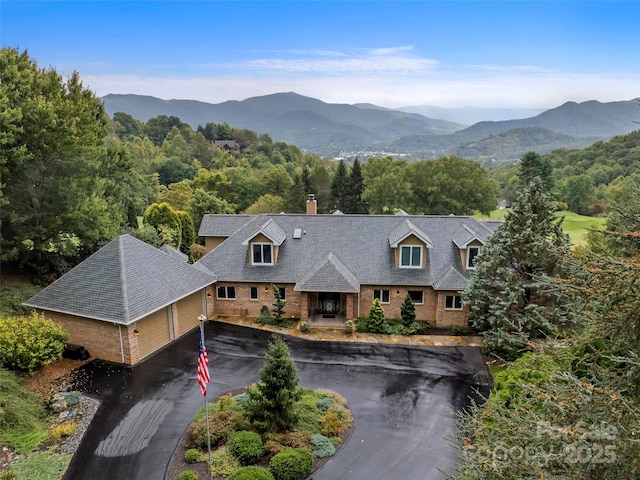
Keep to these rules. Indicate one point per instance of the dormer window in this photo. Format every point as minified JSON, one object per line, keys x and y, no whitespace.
{"x":411,"y":256}
{"x":261,"y":254}
{"x":472,"y":253}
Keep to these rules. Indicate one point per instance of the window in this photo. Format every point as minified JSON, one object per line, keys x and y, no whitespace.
{"x":453,"y":302}
{"x":417,"y":296}
{"x":253,"y":293}
{"x":283,"y":293}
{"x":472,"y":253}
{"x":261,"y":254}
{"x":411,"y":256}
{"x":227,"y":292}
{"x":383,"y":295}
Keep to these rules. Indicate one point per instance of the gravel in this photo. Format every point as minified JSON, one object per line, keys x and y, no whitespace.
{"x":83,"y":416}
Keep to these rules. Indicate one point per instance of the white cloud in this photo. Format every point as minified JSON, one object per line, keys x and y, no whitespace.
{"x":390,"y":77}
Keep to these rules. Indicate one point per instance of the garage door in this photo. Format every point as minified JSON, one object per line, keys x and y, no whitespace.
{"x":189,"y":309}
{"x":154,"y":332}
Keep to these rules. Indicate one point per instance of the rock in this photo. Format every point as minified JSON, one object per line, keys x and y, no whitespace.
{"x":59,"y":405}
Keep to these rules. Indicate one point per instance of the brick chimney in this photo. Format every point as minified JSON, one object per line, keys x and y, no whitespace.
{"x":312,"y":205}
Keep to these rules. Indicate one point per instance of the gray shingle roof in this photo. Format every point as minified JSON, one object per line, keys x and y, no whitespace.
{"x":361,"y":242}
{"x":271,"y":230}
{"x":122,"y":282}
{"x":330,"y":275}
{"x":405,"y":229}
{"x":451,"y":279}
{"x":221,"y":225}
{"x":169,"y":250}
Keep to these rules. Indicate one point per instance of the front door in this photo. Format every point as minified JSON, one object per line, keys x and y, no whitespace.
{"x":329,"y":302}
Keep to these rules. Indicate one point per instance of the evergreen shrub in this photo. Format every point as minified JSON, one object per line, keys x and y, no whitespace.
{"x":322,"y":446}
{"x":188,"y":475}
{"x":246,"y":447}
{"x":192,"y":456}
{"x":251,"y":473}
{"x":292,"y":464}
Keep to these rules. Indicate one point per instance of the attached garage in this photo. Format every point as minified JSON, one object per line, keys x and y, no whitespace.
{"x":130,"y":297}
{"x":153,"y":332}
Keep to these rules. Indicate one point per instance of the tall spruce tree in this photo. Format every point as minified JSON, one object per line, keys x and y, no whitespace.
{"x":340,"y":187}
{"x":271,"y":401}
{"x":353,"y":201}
{"x":508,"y":296}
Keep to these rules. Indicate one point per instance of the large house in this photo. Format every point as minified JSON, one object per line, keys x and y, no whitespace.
{"x":130,"y":299}
{"x":335,"y":265}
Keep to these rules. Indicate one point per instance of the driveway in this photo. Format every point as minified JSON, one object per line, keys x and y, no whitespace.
{"x":401,"y":397}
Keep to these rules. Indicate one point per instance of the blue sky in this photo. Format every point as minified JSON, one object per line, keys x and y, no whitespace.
{"x":513,"y":54}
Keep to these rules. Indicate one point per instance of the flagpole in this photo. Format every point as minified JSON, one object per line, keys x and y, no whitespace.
{"x":202,"y":319}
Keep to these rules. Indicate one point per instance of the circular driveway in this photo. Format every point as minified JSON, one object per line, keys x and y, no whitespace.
{"x":402,"y":399}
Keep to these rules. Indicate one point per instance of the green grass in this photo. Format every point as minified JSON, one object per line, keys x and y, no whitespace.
{"x":13,"y":294}
{"x":22,"y":421}
{"x":576,"y":226}
{"x":41,"y":466}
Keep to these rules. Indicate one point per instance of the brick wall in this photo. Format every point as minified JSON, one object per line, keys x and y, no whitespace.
{"x":242,"y":305}
{"x":446,"y":318}
{"x":424,"y":312}
{"x":101,"y":339}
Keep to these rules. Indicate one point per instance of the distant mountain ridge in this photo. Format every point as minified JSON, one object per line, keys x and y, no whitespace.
{"x":329,"y":129}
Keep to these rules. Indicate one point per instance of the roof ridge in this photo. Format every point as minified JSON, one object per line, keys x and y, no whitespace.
{"x":123,"y":279}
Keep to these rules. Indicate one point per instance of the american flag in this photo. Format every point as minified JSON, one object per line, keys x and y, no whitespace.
{"x":203,"y":367}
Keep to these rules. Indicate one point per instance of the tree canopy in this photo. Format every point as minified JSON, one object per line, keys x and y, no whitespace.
{"x":60,"y":183}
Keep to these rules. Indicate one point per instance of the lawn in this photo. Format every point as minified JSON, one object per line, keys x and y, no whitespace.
{"x":575,"y":225}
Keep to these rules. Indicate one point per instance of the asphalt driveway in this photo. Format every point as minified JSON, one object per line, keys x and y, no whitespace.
{"x":402,"y":399}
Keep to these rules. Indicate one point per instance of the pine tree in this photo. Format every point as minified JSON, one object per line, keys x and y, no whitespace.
{"x":278,"y":305}
{"x":408,"y":311}
{"x":340,"y":187}
{"x":508,"y":296}
{"x":354,"y":202}
{"x":271,"y":401}
{"x":532,"y":165}
{"x":376,"y":317}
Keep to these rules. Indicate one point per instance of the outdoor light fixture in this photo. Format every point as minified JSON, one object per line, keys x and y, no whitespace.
{"x":208,"y":294}
{"x":266,"y":290}
{"x":397,"y":293}
{"x":202,"y":317}
{"x":136,"y":332}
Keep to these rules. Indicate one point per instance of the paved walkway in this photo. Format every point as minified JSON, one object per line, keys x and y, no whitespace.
{"x":323,"y":333}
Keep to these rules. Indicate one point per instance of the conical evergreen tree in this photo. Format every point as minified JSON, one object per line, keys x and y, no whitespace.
{"x":354,"y":202}
{"x":270,"y":404}
{"x":340,"y":187}
{"x":376,"y":319}
{"x":508,"y":298}
{"x":408,"y":311}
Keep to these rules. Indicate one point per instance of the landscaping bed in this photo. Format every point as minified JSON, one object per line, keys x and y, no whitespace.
{"x":310,"y":411}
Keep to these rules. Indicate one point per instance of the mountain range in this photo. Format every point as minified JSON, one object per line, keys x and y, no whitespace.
{"x":332,"y":130}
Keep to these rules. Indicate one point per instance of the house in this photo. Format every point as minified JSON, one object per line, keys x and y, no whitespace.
{"x":130,"y":299}
{"x":336,"y":265}
{"x":127,"y":300}
{"x":227,"y":145}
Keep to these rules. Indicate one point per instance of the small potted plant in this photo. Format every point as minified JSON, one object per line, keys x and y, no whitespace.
{"x":348,"y":326}
{"x":304,"y":326}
